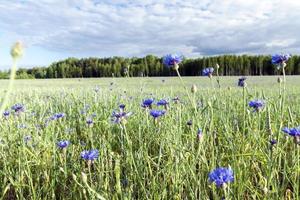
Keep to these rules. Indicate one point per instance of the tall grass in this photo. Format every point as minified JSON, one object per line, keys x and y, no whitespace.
{"x":141,"y":159}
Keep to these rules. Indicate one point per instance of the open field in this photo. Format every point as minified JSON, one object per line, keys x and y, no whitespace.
{"x":143,"y":158}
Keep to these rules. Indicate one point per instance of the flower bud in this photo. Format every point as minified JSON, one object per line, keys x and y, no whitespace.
{"x":17,"y":50}
{"x":175,"y":66}
{"x":279,"y":80}
{"x":84,"y":177}
{"x":217,"y":66}
{"x":194,"y":88}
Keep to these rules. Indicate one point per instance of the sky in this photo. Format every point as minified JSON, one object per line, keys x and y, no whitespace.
{"x":53,"y":30}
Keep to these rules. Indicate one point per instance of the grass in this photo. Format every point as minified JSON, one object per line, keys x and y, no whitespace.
{"x":143,"y":158}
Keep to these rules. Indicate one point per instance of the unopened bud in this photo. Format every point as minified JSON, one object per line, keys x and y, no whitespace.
{"x":194,"y":88}
{"x":84,"y":177}
{"x":217,"y":66}
{"x":279,"y":80}
{"x":175,"y":66}
{"x":17,"y":50}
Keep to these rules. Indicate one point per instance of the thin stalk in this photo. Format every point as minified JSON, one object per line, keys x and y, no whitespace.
{"x":10,"y":85}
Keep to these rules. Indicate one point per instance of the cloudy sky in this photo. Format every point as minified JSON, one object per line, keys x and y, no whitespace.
{"x":57,"y":29}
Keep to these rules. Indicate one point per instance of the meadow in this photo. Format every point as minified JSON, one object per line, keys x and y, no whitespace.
{"x":142,"y":157}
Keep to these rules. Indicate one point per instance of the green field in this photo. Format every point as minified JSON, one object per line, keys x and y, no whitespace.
{"x":146,"y":158}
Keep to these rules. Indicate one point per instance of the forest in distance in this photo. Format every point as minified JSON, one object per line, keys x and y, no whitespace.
{"x":230,"y":65}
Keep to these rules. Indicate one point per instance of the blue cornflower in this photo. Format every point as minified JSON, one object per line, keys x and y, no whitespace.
{"x":6,"y":114}
{"x":63,"y":144}
{"x":90,"y":155}
{"x":157,"y":113}
{"x":257,"y":105}
{"x":27,"y":138}
{"x":273,"y":142}
{"x":280,"y":60}
{"x":221,"y":176}
{"x":162,"y":102}
{"x":147,"y":103}
{"x":294,"y":132}
{"x":18,"y":108}
{"x":122,"y":107}
{"x":172,"y":60}
{"x":208,"y":72}
{"x":242,"y":82}
{"x":89,"y":121}
{"x":118,"y":117}
{"x":57,"y":116}
{"x":199,"y":134}
{"x":176,"y":100}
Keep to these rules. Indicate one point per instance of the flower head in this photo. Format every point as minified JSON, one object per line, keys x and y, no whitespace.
{"x":241,"y":82}
{"x":190,"y":122}
{"x":90,"y":155}
{"x":280,"y":60}
{"x":221,"y":176}
{"x":89,"y":121}
{"x":162,"y":102}
{"x":18,"y":108}
{"x":257,"y":105}
{"x":294,"y":132}
{"x":6,"y":114}
{"x":147,"y":103}
{"x":157,"y":113}
{"x":57,"y":116}
{"x":63,"y":144}
{"x":208,"y":72}
{"x":118,"y":117}
{"x":122,"y":107}
{"x":172,"y":60}
{"x":199,"y":134}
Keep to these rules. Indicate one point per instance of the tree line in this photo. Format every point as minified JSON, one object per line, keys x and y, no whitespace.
{"x":150,"y":65}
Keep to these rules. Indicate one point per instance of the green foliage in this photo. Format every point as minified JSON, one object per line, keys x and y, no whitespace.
{"x":152,"y":66}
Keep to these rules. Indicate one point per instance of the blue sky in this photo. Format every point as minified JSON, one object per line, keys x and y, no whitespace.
{"x":56,"y":29}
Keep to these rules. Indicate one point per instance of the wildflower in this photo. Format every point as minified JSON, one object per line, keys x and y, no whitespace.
{"x":280,"y":60}
{"x":257,"y":105}
{"x":122,"y":107}
{"x":90,"y":155}
{"x":163,"y":102}
{"x":242,"y":82}
{"x":189,"y":123}
{"x":157,"y":113}
{"x":199,"y":134}
{"x":294,"y":132}
{"x":176,"y":100}
{"x":57,"y":116}
{"x":147,"y":103}
{"x":97,"y":89}
{"x":118,"y":117}
{"x":18,"y":108}
{"x":6,"y":114}
{"x":172,"y":61}
{"x":89,"y":121}
{"x":27,"y":138}
{"x":63,"y":144}
{"x":273,"y":142}
{"x":208,"y":72}
{"x":221,"y":176}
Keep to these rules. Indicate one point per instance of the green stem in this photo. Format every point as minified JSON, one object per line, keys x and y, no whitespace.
{"x":10,"y":85}
{"x":181,"y":80}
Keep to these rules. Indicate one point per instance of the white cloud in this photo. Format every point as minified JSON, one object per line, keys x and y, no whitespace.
{"x":135,"y":28}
